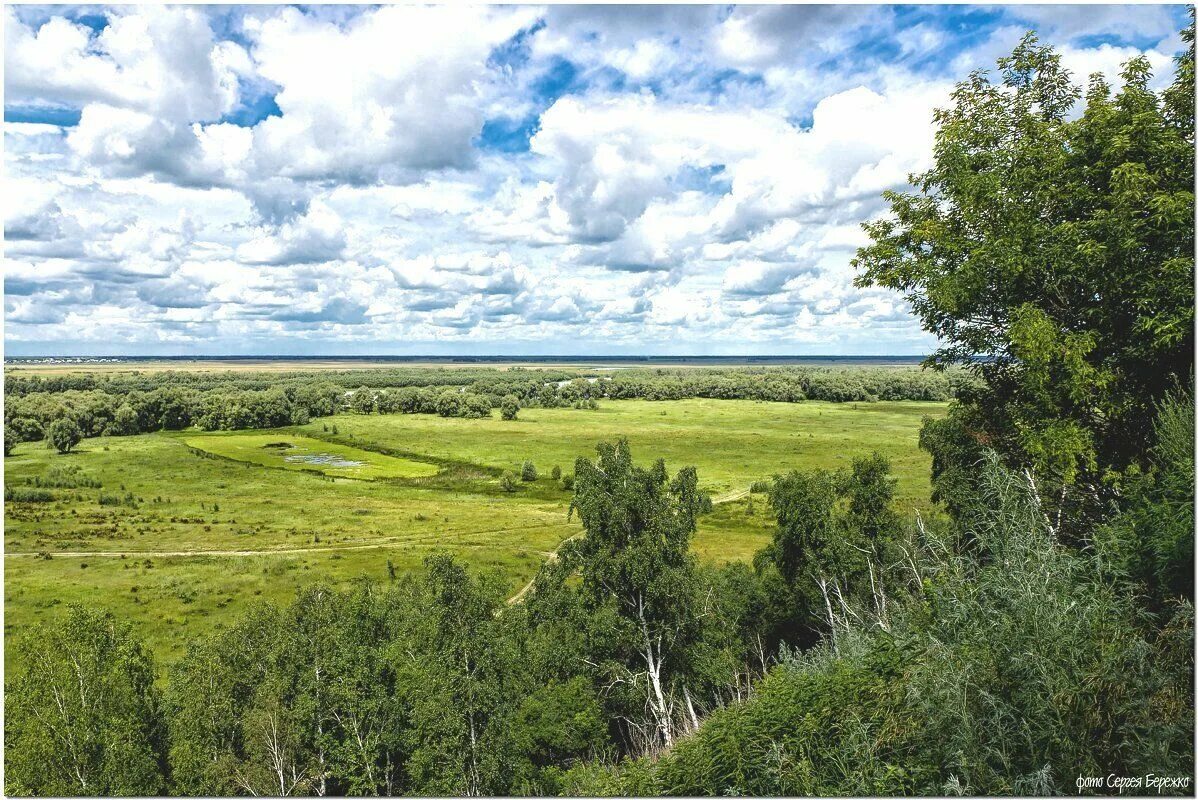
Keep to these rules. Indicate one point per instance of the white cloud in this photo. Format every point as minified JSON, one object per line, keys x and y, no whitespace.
{"x":696,"y":175}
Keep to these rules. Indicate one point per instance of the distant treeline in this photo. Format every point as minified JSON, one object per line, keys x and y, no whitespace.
{"x":122,"y":405}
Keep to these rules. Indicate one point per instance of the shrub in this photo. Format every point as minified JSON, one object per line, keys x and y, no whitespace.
{"x":528,"y":472}
{"x":507,"y":482}
{"x":20,"y":494}
{"x":556,"y":473}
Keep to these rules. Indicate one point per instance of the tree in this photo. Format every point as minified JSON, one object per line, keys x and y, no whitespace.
{"x":449,"y":403}
{"x":10,"y":440}
{"x":509,"y":407}
{"x":125,"y":421}
{"x":1052,"y":255}
{"x":528,"y":472}
{"x":870,"y":491}
{"x":475,"y":406}
{"x":507,"y":482}
{"x":84,"y":717}
{"x":464,"y":685}
{"x":636,"y":554}
{"x":362,"y":400}
{"x":64,"y":434}
{"x":556,"y":473}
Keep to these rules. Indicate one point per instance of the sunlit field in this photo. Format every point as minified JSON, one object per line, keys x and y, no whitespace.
{"x":185,"y":529}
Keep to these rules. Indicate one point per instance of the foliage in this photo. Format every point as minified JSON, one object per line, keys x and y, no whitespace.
{"x":63,"y":434}
{"x":509,"y":407}
{"x":84,"y":717}
{"x":1052,"y":254}
{"x":528,"y":472}
{"x":1151,"y":542}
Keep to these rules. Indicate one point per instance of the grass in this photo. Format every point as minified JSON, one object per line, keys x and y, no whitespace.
{"x":185,"y":540}
{"x":308,"y":455}
{"x":731,"y":442}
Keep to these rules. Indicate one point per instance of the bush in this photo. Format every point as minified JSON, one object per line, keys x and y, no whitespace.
{"x":556,"y":473}
{"x":528,"y":472}
{"x":568,"y":482}
{"x":20,"y":494}
{"x":507,"y":482}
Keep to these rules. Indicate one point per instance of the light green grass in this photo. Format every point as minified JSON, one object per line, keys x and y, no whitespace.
{"x":206,"y":536}
{"x":304,"y":454}
{"x":731,"y":442}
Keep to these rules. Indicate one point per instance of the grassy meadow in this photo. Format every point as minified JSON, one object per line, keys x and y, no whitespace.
{"x":185,"y":529}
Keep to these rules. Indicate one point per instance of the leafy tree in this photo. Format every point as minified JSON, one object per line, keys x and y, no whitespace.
{"x":476,"y":406}
{"x":464,"y":686}
{"x":1151,"y":542}
{"x":870,"y":492}
{"x":528,"y":472}
{"x":636,"y":555}
{"x":125,"y":421}
{"x":10,"y":440}
{"x":509,"y":407}
{"x":84,"y":717}
{"x":63,"y":434}
{"x":556,"y":473}
{"x":1052,"y":255}
{"x":362,"y":401}
{"x":449,"y":403}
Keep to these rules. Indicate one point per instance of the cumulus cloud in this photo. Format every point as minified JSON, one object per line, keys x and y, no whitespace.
{"x":612,"y":178}
{"x":317,"y":236}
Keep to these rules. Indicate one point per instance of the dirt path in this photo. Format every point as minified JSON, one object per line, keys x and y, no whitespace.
{"x":388,"y":541}
{"x":375,"y":545}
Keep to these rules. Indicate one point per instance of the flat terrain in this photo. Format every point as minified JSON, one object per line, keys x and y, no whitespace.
{"x":185,"y":529}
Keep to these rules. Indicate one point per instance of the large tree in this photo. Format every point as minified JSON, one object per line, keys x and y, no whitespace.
{"x":635,"y":559}
{"x":1051,"y":252}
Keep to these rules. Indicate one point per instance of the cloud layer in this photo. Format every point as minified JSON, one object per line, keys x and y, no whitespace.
{"x":661,"y":179}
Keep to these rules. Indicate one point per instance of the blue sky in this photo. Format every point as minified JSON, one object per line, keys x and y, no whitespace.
{"x":507,"y":179}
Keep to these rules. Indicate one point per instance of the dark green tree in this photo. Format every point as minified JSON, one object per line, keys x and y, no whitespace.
{"x":635,"y":554}
{"x":1052,"y":254}
{"x":362,"y":401}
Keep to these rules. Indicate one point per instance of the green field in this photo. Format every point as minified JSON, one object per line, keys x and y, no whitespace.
{"x":193,"y":526}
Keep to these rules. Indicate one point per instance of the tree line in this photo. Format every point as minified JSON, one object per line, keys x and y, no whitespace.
{"x":85,"y":406}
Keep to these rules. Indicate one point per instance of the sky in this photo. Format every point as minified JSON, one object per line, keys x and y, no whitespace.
{"x":509,"y":180}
